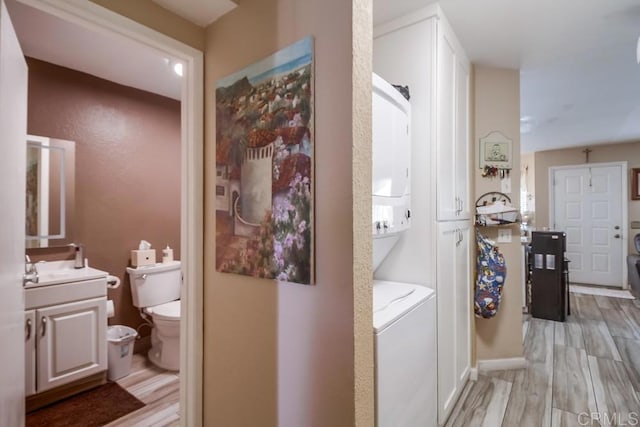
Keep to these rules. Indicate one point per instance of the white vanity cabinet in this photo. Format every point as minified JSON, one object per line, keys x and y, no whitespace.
{"x":454,"y":312}
{"x":65,"y":330}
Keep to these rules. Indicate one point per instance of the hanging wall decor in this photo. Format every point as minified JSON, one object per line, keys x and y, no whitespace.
{"x":264,"y":167}
{"x":495,"y":151}
{"x":491,"y":271}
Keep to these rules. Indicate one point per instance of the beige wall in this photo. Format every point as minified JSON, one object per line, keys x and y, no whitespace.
{"x":629,"y":152}
{"x":284,"y":354}
{"x":148,"y":13}
{"x":497,"y":107}
{"x":362,"y":48}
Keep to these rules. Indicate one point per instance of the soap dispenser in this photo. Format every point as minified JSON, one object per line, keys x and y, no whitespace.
{"x":167,"y":255}
{"x":79,"y":259}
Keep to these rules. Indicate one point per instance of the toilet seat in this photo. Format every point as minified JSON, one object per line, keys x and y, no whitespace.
{"x":166,"y":311}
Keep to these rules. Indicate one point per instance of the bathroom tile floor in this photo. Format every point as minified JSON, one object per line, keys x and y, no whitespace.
{"x":578,"y":371}
{"x":158,"y":389}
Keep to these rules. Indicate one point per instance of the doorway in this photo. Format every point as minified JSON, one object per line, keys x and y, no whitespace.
{"x":96,"y":18}
{"x":588,"y":202}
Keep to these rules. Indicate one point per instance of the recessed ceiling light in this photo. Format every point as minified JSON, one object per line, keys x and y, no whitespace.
{"x":177,"y":68}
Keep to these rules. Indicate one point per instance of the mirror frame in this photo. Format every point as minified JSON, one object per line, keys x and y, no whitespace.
{"x":67,"y":192}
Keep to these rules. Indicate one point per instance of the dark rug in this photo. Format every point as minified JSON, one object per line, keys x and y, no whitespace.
{"x":93,"y":408}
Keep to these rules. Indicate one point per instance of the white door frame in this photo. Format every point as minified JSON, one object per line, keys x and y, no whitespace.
{"x":95,"y":17}
{"x":625,"y":206}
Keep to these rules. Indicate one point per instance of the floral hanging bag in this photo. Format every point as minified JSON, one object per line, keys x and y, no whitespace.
{"x":492,"y":271}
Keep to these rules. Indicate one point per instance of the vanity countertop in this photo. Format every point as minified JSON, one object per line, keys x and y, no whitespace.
{"x":58,"y":272}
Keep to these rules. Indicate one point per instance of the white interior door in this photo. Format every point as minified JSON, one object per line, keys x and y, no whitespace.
{"x":588,"y":206}
{"x":13,"y":136}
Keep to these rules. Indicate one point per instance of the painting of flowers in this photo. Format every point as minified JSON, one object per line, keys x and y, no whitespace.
{"x":264,"y":167}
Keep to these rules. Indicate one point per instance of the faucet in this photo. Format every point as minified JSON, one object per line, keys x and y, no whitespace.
{"x":30,"y":271}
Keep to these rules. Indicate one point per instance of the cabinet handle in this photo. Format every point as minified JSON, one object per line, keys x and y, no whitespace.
{"x":29,"y":327}
{"x":44,"y":326}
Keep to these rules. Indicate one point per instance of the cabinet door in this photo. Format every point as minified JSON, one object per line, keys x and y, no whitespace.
{"x":71,"y":342}
{"x":30,"y":352}
{"x":446,"y":300}
{"x":447,"y":202}
{"x":454,"y":312}
{"x":462,"y":157}
{"x":463,"y":303}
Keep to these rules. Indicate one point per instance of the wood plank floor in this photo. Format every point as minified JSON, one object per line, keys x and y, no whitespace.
{"x":583,"y":372}
{"x":158,"y":389}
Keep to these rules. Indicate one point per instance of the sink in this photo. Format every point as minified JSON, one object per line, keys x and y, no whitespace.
{"x":57,"y":272}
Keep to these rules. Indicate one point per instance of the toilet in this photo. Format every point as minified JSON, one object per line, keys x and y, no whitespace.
{"x":155,"y":290}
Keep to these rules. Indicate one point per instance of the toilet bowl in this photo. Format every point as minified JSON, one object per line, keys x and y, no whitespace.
{"x":165,"y":335}
{"x":155,"y":290}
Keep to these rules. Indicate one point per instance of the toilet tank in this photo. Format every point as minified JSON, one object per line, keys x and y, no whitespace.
{"x":155,"y":284}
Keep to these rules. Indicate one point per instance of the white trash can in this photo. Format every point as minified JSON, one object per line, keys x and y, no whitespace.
{"x":120,"y":340}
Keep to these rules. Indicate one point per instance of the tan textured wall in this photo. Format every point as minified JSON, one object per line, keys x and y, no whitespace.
{"x":629,"y":152}
{"x":362,"y":243}
{"x":284,"y":354}
{"x":497,"y":107}
{"x":148,"y":13}
{"x":127,"y":177}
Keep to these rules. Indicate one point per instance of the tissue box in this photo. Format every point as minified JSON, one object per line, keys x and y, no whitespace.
{"x":143,"y":257}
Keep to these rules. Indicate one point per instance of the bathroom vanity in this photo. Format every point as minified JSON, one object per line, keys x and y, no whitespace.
{"x":65,"y":332}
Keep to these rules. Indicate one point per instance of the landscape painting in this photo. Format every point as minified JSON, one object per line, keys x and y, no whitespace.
{"x":264,"y":167}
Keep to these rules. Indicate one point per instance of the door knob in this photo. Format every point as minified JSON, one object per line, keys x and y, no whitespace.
{"x":617,"y":236}
{"x":617,"y":227}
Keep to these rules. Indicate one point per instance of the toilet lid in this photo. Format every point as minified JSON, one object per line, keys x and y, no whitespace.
{"x":167,"y":311}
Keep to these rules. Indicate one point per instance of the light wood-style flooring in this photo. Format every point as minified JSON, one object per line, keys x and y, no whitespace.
{"x":158,"y":389}
{"x":583,"y":372}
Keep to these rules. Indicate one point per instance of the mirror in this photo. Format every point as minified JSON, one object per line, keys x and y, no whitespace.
{"x":49,"y":192}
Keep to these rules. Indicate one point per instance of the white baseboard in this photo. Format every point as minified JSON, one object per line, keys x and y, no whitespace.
{"x":501,"y":364}
{"x":473,"y":374}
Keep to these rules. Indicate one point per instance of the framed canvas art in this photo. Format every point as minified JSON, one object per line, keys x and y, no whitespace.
{"x":264,"y":167}
{"x":635,"y":180}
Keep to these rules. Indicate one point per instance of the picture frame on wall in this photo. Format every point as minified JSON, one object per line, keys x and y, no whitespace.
{"x":496,"y":150}
{"x":635,"y":187}
{"x":265,"y":167}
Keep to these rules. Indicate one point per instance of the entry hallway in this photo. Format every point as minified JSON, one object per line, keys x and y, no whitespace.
{"x":585,"y":369}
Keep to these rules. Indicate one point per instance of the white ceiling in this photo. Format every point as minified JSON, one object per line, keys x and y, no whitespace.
{"x":118,"y":59}
{"x":580,"y":83}
{"x":45,"y":37}
{"x":200,"y":12}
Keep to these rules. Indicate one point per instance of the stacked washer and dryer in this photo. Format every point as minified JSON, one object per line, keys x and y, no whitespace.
{"x":404,"y":315}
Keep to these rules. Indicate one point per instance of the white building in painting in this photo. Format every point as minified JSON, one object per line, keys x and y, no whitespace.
{"x":256,"y":176}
